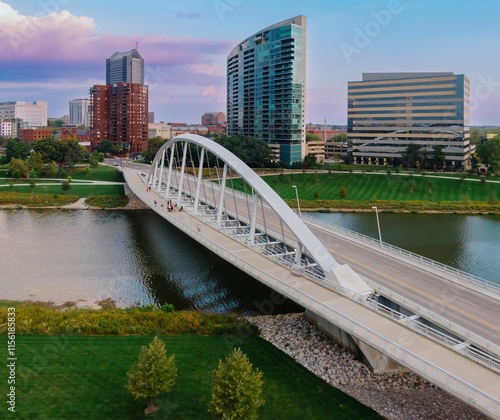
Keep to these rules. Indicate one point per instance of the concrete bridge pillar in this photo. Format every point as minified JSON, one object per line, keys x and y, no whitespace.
{"x":371,"y":357}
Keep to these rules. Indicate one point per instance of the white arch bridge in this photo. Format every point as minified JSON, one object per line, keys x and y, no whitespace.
{"x":214,"y":197}
{"x":192,"y":172}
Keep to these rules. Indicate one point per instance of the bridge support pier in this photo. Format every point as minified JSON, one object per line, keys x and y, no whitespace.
{"x":371,"y":357}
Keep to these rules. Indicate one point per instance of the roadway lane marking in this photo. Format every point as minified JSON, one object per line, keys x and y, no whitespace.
{"x":420,"y":292}
{"x":466,"y":301}
{"x":392,"y":268}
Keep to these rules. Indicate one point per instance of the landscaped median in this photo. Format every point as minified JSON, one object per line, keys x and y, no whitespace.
{"x":73,"y":363}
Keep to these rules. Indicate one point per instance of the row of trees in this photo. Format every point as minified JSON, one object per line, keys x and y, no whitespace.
{"x":255,"y":153}
{"x":45,"y":158}
{"x":236,"y":390}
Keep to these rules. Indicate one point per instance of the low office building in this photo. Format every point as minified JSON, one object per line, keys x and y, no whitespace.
{"x":389,"y":111}
{"x":159,"y":130}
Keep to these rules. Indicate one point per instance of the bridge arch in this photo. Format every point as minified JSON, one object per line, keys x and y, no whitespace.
{"x":170,"y":175}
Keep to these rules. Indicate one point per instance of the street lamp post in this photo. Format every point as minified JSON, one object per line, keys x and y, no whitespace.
{"x":378,"y":225}
{"x":298,"y":202}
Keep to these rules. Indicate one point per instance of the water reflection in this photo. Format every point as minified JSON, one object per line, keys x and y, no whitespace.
{"x":133,"y":257}
{"x":468,"y":242}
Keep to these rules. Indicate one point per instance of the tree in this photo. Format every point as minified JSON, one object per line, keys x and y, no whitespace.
{"x":94,"y":163}
{"x":237,"y":388}
{"x":18,"y":168}
{"x":153,"y":374}
{"x":438,"y":156}
{"x":51,"y":169}
{"x":73,"y":152}
{"x":312,"y":137}
{"x":489,"y":153}
{"x":252,"y":151}
{"x":339,"y":138}
{"x":154,"y":145}
{"x":51,"y":150}
{"x":65,"y":186}
{"x":35,"y":162}
{"x":105,"y":146}
{"x":412,"y":156}
{"x":17,"y":149}
{"x":309,"y":161}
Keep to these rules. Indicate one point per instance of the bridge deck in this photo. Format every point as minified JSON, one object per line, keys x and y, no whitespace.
{"x":403,"y":345}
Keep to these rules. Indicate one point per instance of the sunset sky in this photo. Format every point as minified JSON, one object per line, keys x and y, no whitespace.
{"x":54,"y":50}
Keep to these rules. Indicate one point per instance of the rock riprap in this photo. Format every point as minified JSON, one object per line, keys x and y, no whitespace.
{"x":400,"y":395}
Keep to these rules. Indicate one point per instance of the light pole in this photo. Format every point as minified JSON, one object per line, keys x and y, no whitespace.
{"x":378,"y":225}
{"x":298,"y":202}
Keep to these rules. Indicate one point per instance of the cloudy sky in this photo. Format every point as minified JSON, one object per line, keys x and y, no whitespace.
{"x":55,"y":50}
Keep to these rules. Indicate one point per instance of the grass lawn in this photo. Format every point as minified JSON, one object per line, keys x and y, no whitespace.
{"x":84,"y":377}
{"x":76,"y":189}
{"x":101,"y":173}
{"x":371,"y":187}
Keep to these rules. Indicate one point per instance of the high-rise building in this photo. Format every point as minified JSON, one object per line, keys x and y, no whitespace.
{"x":119,"y":112}
{"x":32,"y":113}
{"x":389,"y":111}
{"x":125,"y":66}
{"x":79,"y":112}
{"x":266,"y":85}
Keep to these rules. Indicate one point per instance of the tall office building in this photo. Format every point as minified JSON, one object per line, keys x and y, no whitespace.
{"x":266,"y":84}
{"x":32,"y":113}
{"x":388,"y":111}
{"x":119,"y":109}
{"x":79,"y":112}
{"x":125,"y":66}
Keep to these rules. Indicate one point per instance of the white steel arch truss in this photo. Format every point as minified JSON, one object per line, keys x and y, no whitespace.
{"x":190,"y":171}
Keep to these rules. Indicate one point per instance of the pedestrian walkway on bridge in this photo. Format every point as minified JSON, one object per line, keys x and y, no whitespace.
{"x":448,"y":369}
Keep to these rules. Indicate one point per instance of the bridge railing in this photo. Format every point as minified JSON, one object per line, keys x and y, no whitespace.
{"x":435,"y":374}
{"x":478,"y":281}
{"x":441,"y":321}
{"x":418,"y":326}
{"x":434,"y":334}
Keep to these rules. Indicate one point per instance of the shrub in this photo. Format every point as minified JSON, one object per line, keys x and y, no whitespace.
{"x":167,"y":307}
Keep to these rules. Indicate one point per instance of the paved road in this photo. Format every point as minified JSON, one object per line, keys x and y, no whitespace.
{"x":463,"y":306}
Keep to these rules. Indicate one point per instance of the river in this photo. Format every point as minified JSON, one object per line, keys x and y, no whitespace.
{"x":137,"y":258}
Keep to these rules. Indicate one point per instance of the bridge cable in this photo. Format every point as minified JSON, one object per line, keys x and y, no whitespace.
{"x":234,"y":199}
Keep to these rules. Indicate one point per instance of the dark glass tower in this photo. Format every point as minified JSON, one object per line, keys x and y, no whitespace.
{"x":126,"y":67}
{"x":266,"y":75}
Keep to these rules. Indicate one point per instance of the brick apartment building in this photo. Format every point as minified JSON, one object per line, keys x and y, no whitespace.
{"x":30,"y":135}
{"x":119,"y":112}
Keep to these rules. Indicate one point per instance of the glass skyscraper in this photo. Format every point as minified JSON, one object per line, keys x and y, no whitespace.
{"x":126,"y":67}
{"x":388,"y":111}
{"x":266,"y":78}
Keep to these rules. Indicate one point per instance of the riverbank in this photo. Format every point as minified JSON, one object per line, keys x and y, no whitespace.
{"x":396,"y":396}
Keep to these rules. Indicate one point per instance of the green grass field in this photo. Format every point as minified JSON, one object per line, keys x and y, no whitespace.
{"x":76,"y":189}
{"x":101,"y":173}
{"x":84,"y":378}
{"x":373,"y":187}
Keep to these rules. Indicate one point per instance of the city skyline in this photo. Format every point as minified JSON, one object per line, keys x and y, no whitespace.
{"x":57,"y":57}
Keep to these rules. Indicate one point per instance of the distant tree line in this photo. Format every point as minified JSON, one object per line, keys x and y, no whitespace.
{"x":44,"y":158}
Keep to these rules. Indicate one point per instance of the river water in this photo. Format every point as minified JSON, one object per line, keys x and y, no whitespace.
{"x":137,"y":258}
